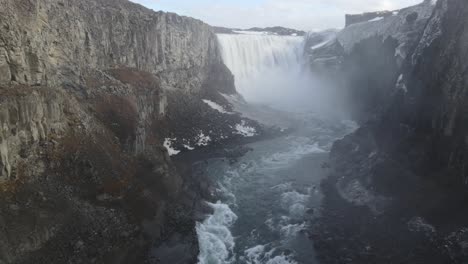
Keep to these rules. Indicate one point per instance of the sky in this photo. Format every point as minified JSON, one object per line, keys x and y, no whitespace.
{"x":309,"y":15}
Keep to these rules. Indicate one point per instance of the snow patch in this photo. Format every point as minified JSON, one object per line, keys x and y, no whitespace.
{"x":216,"y":106}
{"x":401,"y":84}
{"x":188,"y":147}
{"x":393,"y":26}
{"x":376,"y":19}
{"x":400,"y":78}
{"x":244,"y":130}
{"x":202,"y":139}
{"x":168,"y":145}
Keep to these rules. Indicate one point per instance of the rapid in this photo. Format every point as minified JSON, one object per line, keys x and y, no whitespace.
{"x":268,"y":197}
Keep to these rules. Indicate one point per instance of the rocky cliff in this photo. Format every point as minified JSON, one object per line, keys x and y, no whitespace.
{"x":365,"y":59}
{"x":398,"y":192}
{"x":90,"y":91}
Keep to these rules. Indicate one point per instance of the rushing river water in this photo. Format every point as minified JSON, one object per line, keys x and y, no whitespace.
{"x":268,"y":198}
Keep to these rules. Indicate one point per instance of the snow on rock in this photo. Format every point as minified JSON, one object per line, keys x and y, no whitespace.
{"x":316,"y":40}
{"x":401,"y":84}
{"x":202,"y":139}
{"x":244,"y":130}
{"x":376,"y":19}
{"x":168,"y":145}
{"x":323,"y":44}
{"x":216,"y":106}
{"x":188,"y":147}
{"x":395,"y":26}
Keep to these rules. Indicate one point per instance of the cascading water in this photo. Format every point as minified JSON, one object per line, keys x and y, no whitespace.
{"x":268,"y":69}
{"x":268,"y":197}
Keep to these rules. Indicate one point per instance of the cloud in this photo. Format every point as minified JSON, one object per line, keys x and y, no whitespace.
{"x":300,"y":14}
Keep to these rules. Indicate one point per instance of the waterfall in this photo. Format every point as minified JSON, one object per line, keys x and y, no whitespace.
{"x":267,"y":68}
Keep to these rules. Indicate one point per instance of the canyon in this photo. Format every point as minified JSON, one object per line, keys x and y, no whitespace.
{"x":91,"y":91}
{"x":134,"y":136}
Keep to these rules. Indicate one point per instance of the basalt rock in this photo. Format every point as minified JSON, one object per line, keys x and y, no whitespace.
{"x":365,"y":59}
{"x":408,"y":161}
{"x":89,"y":91}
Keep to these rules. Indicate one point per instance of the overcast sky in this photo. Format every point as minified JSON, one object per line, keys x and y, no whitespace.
{"x":299,"y":14}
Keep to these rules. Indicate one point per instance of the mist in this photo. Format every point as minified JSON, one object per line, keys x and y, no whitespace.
{"x":274,"y":70}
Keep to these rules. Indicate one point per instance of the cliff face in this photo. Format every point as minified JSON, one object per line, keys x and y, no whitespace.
{"x":365,"y":59}
{"x":401,"y":176}
{"x":43,"y":41}
{"x":89,"y":93}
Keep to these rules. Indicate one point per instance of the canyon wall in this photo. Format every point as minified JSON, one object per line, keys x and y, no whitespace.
{"x":90,"y":91}
{"x":401,"y":176}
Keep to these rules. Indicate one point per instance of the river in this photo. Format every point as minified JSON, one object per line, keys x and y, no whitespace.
{"x":268,"y":197}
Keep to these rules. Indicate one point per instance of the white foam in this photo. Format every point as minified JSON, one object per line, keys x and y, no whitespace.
{"x":281,"y":260}
{"x":295,"y":203}
{"x":291,"y":230}
{"x":264,"y":65}
{"x":283,"y":187}
{"x":259,"y":255}
{"x":214,"y":237}
{"x":255,"y":255}
{"x":299,"y":148}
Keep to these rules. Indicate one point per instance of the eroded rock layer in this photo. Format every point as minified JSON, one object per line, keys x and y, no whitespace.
{"x":89,"y":93}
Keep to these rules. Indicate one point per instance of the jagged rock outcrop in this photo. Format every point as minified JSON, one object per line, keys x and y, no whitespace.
{"x":365,"y":59}
{"x":401,"y":176}
{"x":89,"y":92}
{"x":44,"y":40}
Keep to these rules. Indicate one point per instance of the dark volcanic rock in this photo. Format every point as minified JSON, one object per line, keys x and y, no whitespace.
{"x":398,"y":191}
{"x":365,"y":60}
{"x":89,"y":90}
